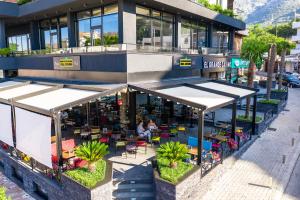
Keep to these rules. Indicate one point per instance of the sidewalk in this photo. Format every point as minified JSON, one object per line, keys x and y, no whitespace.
{"x":260,"y":173}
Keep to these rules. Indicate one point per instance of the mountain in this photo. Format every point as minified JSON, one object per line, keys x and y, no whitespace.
{"x":266,"y":11}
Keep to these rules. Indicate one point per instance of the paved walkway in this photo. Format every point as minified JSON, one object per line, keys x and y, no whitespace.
{"x":260,"y":173}
{"x":12,"y":190}
{"x":292,"y":191}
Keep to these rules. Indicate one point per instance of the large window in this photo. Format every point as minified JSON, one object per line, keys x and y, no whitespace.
{"x":98,"y":26}
{"x":54,"y":33}
{"x":154,"y":28}
{"x":193,"y":35}
{"x":19,"y":43}
{"x":220,"y":38}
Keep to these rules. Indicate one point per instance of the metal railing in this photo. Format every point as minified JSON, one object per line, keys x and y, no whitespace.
{"x":128,"y":48}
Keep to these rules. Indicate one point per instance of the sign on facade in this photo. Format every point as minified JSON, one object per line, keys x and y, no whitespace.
{"x":237,"y":63}
{"x":66,"y":63}
{"x":209,"y":63}
{"x":185,"y":62}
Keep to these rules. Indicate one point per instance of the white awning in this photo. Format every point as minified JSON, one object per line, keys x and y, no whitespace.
{"x":227,"y":89}
{"x":196,"y":96}
{"x":6,"y":134}
{"x":22,"y":90}
{"x":57,"y":98}
{"x":9,"y":83}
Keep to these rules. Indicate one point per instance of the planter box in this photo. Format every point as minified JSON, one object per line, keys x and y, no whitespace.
{"x":259,"y":127}
{"x":184,"y":189}
{"x":263,"y":107}
{"x":282,"y":96}
{"x":102,"y":191}
{"x":263,"y":84}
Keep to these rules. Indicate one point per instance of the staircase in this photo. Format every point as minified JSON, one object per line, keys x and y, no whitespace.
{"x":134,"y":190}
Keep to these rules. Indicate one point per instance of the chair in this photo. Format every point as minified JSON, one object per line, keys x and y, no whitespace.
{"x":95,"y":136}
{"x":131,"y":149}
{"x":141,"y":143}
{"x":155,"y":140}
{"x":192,"y":141}
{"x":77,"y":131}
{"x":95,"y":130}
{"x":173,"y":132}
{"x":120,"y":144}
{"x":181,"y":129}
{"x":165,"y":135}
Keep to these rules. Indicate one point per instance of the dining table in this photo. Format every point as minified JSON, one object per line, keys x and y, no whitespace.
{"x":220,"y":138}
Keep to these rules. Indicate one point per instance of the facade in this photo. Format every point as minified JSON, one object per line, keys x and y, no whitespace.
{"x":115,"y":41}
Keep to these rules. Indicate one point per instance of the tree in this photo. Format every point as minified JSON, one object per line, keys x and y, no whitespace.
{"x":173,"y":152}
{"x":91,"y":152}
{"x":253,"y":48}
{"x":282,"y":30}
{"x":271,"y":63}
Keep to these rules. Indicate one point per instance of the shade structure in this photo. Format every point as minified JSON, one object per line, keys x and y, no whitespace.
{"x":22,"y":90}
{"x":9,"y":83}
{"x":57,"y":98}
{"x":230,"y":89}
{"x":33,"y":135}
{"x":196,"y":96}
{"x":6,"y":135}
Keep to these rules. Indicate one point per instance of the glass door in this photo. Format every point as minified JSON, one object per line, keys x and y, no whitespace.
{"x":156,"y":33}
{"x":96,"y":36}
{"x":54,"y":39}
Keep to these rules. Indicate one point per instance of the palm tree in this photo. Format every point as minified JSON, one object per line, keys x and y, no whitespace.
{"x":271,"y":63}
{"x":92,"y":152}
{"x":173,"y":152}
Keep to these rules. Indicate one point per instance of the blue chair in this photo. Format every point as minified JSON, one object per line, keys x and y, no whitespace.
{"x":207,"y":145}
{"x":192,"y":141}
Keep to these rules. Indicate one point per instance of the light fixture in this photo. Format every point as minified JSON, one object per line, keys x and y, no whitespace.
{"x":178,"y":103}
{"x":70,"y":108}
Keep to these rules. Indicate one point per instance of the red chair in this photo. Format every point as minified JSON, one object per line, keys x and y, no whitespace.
{"x":142,"y":143}
{"x":165,"y":135}
{"x":164,"y":127}
{"x":104,"y":140}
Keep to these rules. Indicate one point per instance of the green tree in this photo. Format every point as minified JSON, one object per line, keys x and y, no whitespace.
{"x":173,"y":152}
{"x":92,"y":152}
{"x":282,"y":30}
{"x":271,"y":62}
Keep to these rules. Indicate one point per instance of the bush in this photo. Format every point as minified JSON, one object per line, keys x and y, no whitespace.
{"x":173,"y":152}
{"x":5,"y":51}
{"x":271,"y":101}
{"x":3,"y":194}
{"x":172,"y":174}
{"x":277,"y":90}
{"x":87,"y":178}
{"x":217,"y":8}
{"x":21,"y":2}
{"x":258,"y":119}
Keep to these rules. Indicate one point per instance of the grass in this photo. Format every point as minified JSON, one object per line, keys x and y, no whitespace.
{"x":170,"y":174}
{"x":271,"y":101}
{"x":3,"y":194}
{"x":258,"y":119}
{"x":87,"y":178}
{"x":277,"y":90}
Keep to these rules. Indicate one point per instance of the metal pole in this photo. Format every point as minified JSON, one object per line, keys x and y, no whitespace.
{"x":57,"y":123}
{"x":254,"y":116}
{"x":233,"y":120}
{"x":200,"y":136}
{"x":13,"y":119}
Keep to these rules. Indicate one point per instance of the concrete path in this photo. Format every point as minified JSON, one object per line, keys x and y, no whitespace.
{"x":12,"y":190}
{"x":292,"y":191}
{"x":264,"y":170}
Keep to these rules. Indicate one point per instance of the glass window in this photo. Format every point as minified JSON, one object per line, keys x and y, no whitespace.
{"x":19,"y":43}
{"x":220,"y":39}
{"x":202,"y":34}
{"x":47,"y":39}
{"x":167,"y":37}
{"x":143,"y":31}
{"x":84,"y":32}
{"x":156,"y":14}
{"x":97,"y":12}
{"x":168,"y":17}
{"x":84,"y":14}
{"x":185,"y":36}
{"x":96,"y":21}
{"x":110,"y":9}
{"x":64,"y":37}
{"x":110,"y":29}
{"x":142,"y":11}
{"x":63,"y":21}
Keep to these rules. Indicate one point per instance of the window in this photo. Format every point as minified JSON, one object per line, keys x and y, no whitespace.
{"x":100,"y":28}
{"x":154,"y":28}
{"x":19,"y":43}
{"x":220,"y":38}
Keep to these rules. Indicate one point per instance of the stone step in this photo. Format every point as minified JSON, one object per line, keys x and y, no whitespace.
{"x":134,"y":198}
{"x":133,"y":181}
{"x":133,"y":193}
{"x":133,"y":186}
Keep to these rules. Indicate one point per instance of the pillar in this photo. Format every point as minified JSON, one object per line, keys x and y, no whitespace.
{"x":233,"y":120}
{"x":210,"y":29}
{"x":2,"y":34}
{"x":178,"y":31}
{"x":35,"y":35}
{"x":200,"y":136}
{"x":127,"y":23}
{"x":231,"y":39}
{"x":71,"y":29}
{"x":57,"y":124}
{"x":132,"y":110}
{"x":254,"y":116}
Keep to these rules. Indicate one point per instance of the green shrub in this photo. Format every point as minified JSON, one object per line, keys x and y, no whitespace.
{"x":258,"y":119}
{"x":271,"y":101}
{"x":217,"y":8}
{"x":172,"y":174}
{"x":277,"y":90}
{"x":3,"y":194}
{"x":87,"y":178}
{"x":5,"y":51}
{"x":21,"y":2}
{"x":172,"y":152}
{"x":91,"y":152}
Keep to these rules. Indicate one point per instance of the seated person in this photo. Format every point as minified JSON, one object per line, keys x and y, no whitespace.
{"x":142,"y":132}
{"x":151,"y":125}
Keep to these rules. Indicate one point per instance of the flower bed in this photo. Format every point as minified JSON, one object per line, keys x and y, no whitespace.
{"x":87,"y":178}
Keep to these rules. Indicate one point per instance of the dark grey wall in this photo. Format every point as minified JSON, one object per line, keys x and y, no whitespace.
{"x":7,"y":63}
{"x":8,"y":9}
{"x":19,"y":29}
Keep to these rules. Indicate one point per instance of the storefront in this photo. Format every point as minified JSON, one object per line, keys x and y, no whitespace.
{"x":214,"y":67}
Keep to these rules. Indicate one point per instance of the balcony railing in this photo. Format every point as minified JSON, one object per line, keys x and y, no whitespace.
{"x":128,"y":48}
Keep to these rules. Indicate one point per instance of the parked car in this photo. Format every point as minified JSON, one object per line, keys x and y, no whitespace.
{"x":290,"y":81}
{"x":297,"y":75}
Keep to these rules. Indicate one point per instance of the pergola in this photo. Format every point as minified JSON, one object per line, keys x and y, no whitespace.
{"x":206,"y":96}
{"x":27,"y":110}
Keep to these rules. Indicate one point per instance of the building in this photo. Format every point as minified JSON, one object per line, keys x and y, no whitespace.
{"x":115,"y":41}
{"x":295,"y":53}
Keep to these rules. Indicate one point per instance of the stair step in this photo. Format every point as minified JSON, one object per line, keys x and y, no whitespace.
{"x":133,"y":186}
{"x":133,"y":194}
{"x":126,"y":182}
{"x":135,"y":198}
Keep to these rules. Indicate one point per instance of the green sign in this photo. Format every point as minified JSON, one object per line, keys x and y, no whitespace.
{"x":237,"y":63}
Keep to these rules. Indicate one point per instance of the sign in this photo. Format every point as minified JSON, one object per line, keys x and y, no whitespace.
{"x":237,"y":63}
{"x":67,"y":63}
{"x":185,"y":62}
{"x":209,"y":63}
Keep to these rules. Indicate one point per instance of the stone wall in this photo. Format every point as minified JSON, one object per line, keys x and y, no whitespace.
{"x":42,"y":187}
{"x":180,"y":191}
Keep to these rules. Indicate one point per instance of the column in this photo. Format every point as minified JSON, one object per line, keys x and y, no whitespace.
{"x":132,"y":110}
{"x":233,"y":120}
{"x":2,"y":34}
{"x":57,"y":124}
{"x":254,"y":116}
{"x":210,"y":29}
{"x":200,"y":137}
{"x":71,"y":29}
{"x":127,"y":23}
{"x":35,"y":35}
{"x":178,"y":31}
{"x":231,"y":39}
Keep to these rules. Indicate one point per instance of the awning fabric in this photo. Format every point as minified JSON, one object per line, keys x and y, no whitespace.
{"x":197,"y":96}
{"x":33,"y":135}
{"x":22,"y":90}
{"x":56,"y":98}
{"x":8,"y":84}
{"x":6,"y":135}
{"x":227,"y":88}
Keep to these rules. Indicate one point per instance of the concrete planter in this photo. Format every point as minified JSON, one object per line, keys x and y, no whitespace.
{"x":282,"y":96}
{"x":259,"y":127}
{"x":263,"y":107}
{"x":182,"y":190}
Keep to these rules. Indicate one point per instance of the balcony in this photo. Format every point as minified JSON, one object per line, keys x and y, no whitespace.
{"x":296,"y":25}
